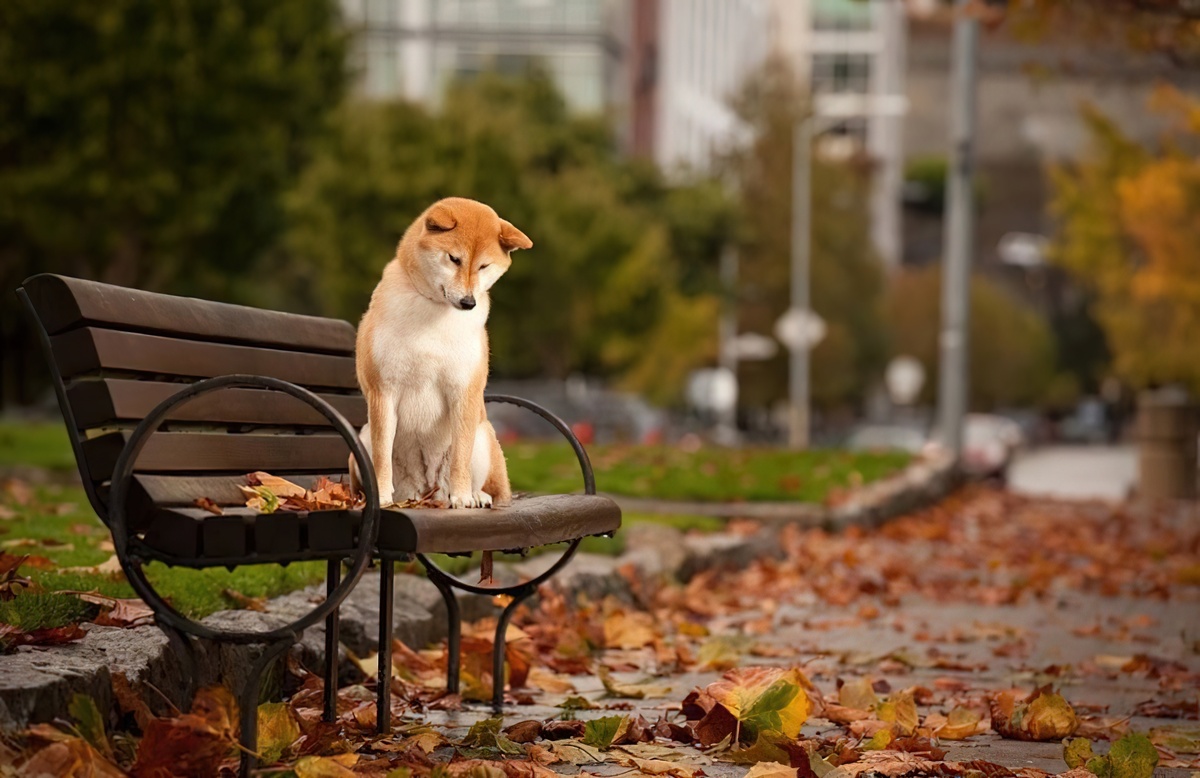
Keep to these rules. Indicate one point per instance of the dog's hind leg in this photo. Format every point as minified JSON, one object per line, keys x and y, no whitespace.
{"x":493,"y":473}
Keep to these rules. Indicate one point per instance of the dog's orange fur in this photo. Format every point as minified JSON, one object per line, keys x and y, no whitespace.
{"x":422,"y":356}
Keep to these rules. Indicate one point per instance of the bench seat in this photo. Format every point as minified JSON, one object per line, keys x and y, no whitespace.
{"x":194,"y":537}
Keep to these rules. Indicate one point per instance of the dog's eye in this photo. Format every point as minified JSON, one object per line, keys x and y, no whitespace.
{"x":481,"y":267}
{"x":454,"y":259}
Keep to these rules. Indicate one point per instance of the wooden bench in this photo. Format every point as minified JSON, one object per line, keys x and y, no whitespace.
{"x":168,"y":399}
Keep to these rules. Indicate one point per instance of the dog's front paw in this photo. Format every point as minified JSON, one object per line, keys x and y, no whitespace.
{"x":385,"y":497}
{"x":472,"y":500}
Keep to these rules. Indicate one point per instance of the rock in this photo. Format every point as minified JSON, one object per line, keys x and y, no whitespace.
{"x":592,"y":575}
{"x":654,"y":552}
{"x":38,"y":684}
{"x":727,"y":552}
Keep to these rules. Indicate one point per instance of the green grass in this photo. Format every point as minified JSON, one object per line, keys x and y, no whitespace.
{"x":58,"y":525}
{"x":32,"y":611}
{"x":41,"y":444}
{"x":710,"y":474}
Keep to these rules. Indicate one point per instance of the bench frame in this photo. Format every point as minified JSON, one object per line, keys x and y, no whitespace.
{"x":179,"y":629}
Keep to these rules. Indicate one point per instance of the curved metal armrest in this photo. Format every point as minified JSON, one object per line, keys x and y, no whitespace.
{"x":122,"y":479}
{"x":585,"y":464}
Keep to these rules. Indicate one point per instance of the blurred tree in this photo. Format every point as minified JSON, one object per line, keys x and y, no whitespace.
{"x":845,"y":272}
{"x":1012,"y":348}
{"x":147,"y":143}
{"x":1128,"y":229}
{"x":620,"y":279}
{"x":1169,"y":27}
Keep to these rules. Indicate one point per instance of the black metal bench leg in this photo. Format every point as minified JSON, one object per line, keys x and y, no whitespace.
{"x":332,"y":639}
{"x":499,"y":644}
{"x":454,"y":635}
{"x":248,"y":702}
{"x":383,"y":711}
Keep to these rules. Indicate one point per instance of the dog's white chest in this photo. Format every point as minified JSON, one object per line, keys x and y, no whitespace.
{"x":427,"y":358}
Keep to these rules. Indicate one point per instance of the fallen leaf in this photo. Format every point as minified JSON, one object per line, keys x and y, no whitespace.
{"x":1043,"y":715}
{"x":604,"y":732}
{"x":207,"y":504}
{"x":90,"y":723}
{"x":524,"y":731}
{"x":960,"y":724}
{"x":547,"y":681}
{"x":858,"y":694}
{"x":764,"y":700}
{"x":191,"y":744}
{"x":629,"y":630}
{"x":630,"y":691}
{"x":659,"y":767}
{"x":277,"y":730}
{"x":486,"y":735}
{"x":771,"y":770}
{"x":244,"y":602}
{"x":129,"y":701}
{"x":326,"y":766}
{"x":576,"y":752}
{"x":1179,"y":740}
{"x":69,"y":757}
{"x":900,"y":711}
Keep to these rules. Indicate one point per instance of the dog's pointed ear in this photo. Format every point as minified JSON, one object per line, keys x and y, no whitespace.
{"x":439,"y":218}
{"x":511,"y":238}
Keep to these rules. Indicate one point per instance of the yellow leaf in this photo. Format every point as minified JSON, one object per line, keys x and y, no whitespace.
{"x":1050,"y":717}
{"x":961,"y":724}
{"x":326,"y":766}
{"x":629,"y":630}
{"x":858,"y":694}
{"x":629,"y":691}
{"x":764,"y":699}
{"x":900,"y":711}
{"x":771,"y":770}
{"x":277,"y":730}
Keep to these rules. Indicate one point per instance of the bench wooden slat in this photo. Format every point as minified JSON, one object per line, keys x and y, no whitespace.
{"x":64,"y":303}
{"x":98,"y":403}
{"x":198,"y":452}
{"x":182,"y":490}
{"x":530,"y":521}
{"x":89,"y":349}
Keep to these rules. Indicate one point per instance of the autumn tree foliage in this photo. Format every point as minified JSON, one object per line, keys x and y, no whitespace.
{"x":1011,"y":345}
{"x":1129,"y":230}
{"x":148,"y":143}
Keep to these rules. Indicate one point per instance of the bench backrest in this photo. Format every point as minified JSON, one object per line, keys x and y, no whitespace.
{"x":122,"y":351}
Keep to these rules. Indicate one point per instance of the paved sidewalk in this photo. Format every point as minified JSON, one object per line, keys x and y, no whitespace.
{"x":1076,"y":472}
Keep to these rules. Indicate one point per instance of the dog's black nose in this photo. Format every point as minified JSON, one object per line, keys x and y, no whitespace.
{"x":467,"y":303}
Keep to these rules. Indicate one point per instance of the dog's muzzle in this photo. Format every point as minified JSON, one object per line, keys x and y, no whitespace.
{"x":466,"y":303}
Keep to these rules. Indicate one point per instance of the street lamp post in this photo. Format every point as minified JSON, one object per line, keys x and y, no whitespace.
{"x":960,"y":236}
{"x":798,"y":363}
{"x":808,"y":329}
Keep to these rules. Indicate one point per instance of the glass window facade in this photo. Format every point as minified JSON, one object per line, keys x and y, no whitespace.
{"x":841,"y":73}
{"x":841,"y":15}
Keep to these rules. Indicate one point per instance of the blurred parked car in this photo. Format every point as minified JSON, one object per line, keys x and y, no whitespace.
{"x":1088,"y":423}
{"x":989,"y":442}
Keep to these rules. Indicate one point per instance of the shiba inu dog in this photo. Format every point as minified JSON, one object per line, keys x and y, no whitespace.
{"x":422,"y":355}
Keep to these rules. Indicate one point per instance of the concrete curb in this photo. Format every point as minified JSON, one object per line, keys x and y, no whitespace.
{"x":923,"y":482}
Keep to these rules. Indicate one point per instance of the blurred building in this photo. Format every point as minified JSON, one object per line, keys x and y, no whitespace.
{"x":854,"y":55}
{"x":1031,"y":96}
{"x":687,"y":59}
{"x":664,"y":69}
{"x":414,"y":48}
